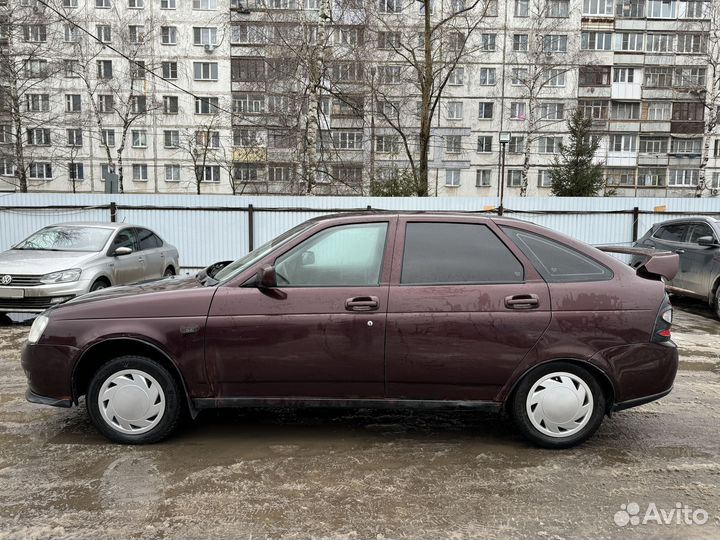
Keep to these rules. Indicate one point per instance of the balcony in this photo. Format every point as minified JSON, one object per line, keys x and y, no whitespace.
{"x":598,"y":92}
{"x":686,"y":126}
{"x":621,"y":159}
{"x":248,"y":155}
{"x":626,"y":91}
{"x":653,"y":160}
{"x":655,"y":127}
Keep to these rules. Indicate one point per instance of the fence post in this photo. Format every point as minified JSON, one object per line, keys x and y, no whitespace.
{"x":251,"y":227}
{"x":113,"y":212}
{"x":636,"y":223}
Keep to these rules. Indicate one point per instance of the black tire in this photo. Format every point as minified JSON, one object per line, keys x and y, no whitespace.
{"x":99,"y":284}
{"x":716,"y":302}
{"x":169,"y":272}
{"x":173,"y":399}
{"x":591,"y":420}
{"x":5,"y":320}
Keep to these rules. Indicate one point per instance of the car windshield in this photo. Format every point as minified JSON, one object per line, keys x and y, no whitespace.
{"x":63,"y":238}
{"x":240,"y":265}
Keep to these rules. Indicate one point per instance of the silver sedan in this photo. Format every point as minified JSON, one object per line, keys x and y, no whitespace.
{"x":66,"y":260}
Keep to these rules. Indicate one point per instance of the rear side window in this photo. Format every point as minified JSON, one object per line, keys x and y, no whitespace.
{"x":672,"y":233}
{"x":454,"y":253}
{"x":556,"y":262}
{"x":699,"y":230}
{"x":148,"y":239}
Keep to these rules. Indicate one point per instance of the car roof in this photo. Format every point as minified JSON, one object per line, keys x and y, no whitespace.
{"x":94,"y":224}
{"x":689,"y":219}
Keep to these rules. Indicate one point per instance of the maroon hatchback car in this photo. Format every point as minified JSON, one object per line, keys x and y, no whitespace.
{"x":372,"y":310}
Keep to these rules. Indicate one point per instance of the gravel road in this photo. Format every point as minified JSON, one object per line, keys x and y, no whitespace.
{"x":368,"y":474}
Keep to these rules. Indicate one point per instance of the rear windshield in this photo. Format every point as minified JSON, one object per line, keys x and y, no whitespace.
{"x":63,"y":238}
{"x":556,"y":262}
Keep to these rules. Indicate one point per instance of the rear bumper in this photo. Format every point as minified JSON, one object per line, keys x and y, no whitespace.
{"x":621,"y":406}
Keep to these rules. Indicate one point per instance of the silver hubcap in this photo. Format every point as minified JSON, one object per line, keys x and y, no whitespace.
{"x":559,"y":404}
{"x":131,"y":401}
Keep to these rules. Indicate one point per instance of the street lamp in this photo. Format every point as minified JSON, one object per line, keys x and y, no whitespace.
{"x":504,"y":139}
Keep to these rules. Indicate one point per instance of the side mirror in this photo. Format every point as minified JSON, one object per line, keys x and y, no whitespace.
{"x":215,"y":268}
{"x":122,"y":251}
{"x":708,"y":241}
{"x":307,"y":258}
{"x":266,"y":277}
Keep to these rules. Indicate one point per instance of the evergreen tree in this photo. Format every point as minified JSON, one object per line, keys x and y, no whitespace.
{"x":573,"y":172}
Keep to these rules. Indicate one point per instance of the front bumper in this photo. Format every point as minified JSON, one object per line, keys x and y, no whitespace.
{"x":48,"y":369}
{"x":38,"y":298}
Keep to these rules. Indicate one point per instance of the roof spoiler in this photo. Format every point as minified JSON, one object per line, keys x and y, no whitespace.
{"x":657,"y":265}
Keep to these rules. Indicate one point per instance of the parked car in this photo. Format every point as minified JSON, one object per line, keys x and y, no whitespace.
{"x":372,"y":309}
{"x":695,"y":240}
{"x":63,"y":261}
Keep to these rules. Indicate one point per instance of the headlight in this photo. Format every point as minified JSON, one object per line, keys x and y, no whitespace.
{"x":63,"y":276}
{"x":37,"y":329}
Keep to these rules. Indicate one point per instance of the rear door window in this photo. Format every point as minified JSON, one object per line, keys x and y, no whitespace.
{"x":672,"y":233}
{"x":698,"y":231}
{"x":147,"y":239}
{"x":456,"y":253}
{"x":556,"y":262}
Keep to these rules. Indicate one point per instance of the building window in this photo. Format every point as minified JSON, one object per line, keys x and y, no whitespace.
{"x":71,"y":68}
{"x":38,"y":136}
{"x":136,"y":4}
{"x":103,"y":4}
{"x":689,"y":111}
{"x":104,"y":32}
{"x":522,"y":8}
{"x":457,"y":76}
{"x":107,"y":137}
{"x":544,"y":178}
{"x":280,"y":173}
{"x":248,"y":103}
{"x":516,"y":144}
{"x":596,"y":109}
{"x":660,"y":43}
{"x":518,"y":76}
{"x":72,"y":33}
{"x":597,"y":7}
{"x":76,"y":172}
{"x":139,"y":138}
{"x":140,"y":172}
{"x":207,"y":139}
{"x":658,"y":77}
{"x":454,"y":110}
{"x":172,"y":173}
{"x":36,"y":33}
{"x":520,"y":42}
{"x":168,"y":4}
{"x":246,"y":138}
{"x":172,"y":138}
{"x":205,"y":5}
{"x":651,"y":177}
{"x":485,"y":110}
{"x":487,"y":76}
{"x":624,"y":75}
{"x":105,"y":170}
{"x":170,"y":105}
{"x":72,"y":103}
{"x":686,"y":147}
{"x":661,"y":9}
{"x":555,"y":78}
{"x":558,"y":8}
{"x":388,"y":40}
{"x":659,"y":110}
{"x":484,"y":143}
{"x":248,"y":69}
{"x":138,"y":104}
{"x":7,"y":167}
{"x":168,"y":35}
{"x":552,"y":111}
{"x":205,"y":35}
{"x":630,"y":9}
{"x":517,"y":110}
{"x":549,"y":145}
{"x":387,"y":144}
{"x":683,"y":177}
{"x":514,"y":178}
{"x":136,"y":33}
{"x":596,"y":41}
{"x":104,"y":69}
{"x":453,"y":144}
{"x":625,"y":111}
{"x":40,"y":171}
{"x":620,"y":177}
{"x":488,"y":42}
{"x":622,"y":143}
{"x":347,"y":140}
{"x":483,"y":177}
{"x":692,"y":43}
{"x":629,"y":41}
{"x":37,"y":102}
{"x":74,"y":137}
{"x":169,"y":70}
{"x":206,"y":105}
{"x":594,"y":76}
{"x":386,"y":74}
{"x":106,"y":103}
{"x":695,"y":9}
{"x":690,"y":77}
{"x":555,"y":43}
{"x":390,"y":6}
{"x":5,"y":134}
{"x":205,"y":71}
{"x":137,"y":69}
{"x":452,"y":177}
{"x":208,"y":173}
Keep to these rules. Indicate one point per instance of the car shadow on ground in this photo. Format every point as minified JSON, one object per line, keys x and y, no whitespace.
{"x":694,"y":306}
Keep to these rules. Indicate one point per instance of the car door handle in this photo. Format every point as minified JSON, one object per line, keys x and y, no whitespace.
{"x":522,"y":301}
{"x":362,"y":303}
{"x":679,"y":251}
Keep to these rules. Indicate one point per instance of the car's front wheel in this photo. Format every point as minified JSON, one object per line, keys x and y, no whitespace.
{"x":134,"y":400}
{"x":558,"y":405}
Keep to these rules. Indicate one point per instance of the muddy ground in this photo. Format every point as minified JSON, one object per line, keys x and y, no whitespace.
{"x":365,"y":474}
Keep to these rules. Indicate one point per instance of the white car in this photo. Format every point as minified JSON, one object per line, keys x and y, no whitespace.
{"x":63,"y":261}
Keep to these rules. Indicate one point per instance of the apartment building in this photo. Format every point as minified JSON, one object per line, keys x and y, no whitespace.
{"x":240,"y":83}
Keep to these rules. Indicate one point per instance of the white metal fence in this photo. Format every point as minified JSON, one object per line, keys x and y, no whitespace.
{"x":210,"y":228}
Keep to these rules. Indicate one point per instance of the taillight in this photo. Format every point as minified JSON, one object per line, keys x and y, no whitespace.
{"x":663,"y":322}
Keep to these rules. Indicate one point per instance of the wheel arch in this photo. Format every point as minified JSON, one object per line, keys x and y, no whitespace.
{"x":713,"y":289}
{"x":99,"y":353}
{"x":600,"y":375}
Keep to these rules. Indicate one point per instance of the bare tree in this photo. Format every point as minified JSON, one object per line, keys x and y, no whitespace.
{"x":28,"y":41}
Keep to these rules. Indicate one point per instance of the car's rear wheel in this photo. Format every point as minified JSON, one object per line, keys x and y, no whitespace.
{"x":558,"y":405}
{"x":716,"y":302}
{"x":169,"y":272}
{"x":134,"y":400}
